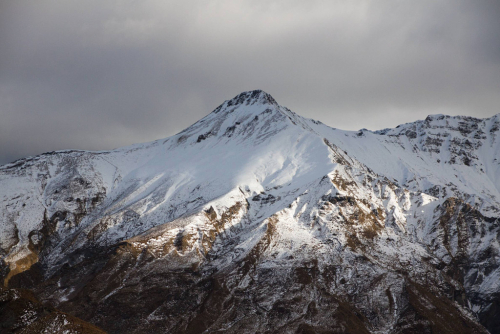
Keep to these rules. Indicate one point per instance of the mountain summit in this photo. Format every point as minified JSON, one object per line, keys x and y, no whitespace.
{"x":255,"y":218}
{"x":251,"y":98}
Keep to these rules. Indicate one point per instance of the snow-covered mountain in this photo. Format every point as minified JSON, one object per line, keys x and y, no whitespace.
{"x":256,"y":219}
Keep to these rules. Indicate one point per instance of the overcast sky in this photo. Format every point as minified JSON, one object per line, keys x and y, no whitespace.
{"x":103,"y":74}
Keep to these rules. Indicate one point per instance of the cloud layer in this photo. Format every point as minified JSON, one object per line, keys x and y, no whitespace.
{"x":97,"y":75}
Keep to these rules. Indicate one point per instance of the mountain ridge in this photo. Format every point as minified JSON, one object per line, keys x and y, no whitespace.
{"x":251,"y":98}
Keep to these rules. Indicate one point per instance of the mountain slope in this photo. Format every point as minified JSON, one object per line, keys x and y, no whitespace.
{"x":20,"y":312}
{"x":255,"y":218}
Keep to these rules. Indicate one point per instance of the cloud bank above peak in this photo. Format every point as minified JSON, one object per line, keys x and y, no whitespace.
{"x":97,"y":75}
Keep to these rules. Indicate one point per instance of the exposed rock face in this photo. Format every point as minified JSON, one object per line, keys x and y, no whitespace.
{"x":21,"y":312}
{"x":255,"y":219}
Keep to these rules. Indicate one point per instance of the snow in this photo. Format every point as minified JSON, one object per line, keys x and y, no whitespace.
{"x":277,"y":164}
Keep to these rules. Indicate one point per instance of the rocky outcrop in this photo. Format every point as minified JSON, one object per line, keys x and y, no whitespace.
{"x":21,"y":312}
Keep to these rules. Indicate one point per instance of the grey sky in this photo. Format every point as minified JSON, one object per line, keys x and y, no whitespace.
{"x":102,"y":74}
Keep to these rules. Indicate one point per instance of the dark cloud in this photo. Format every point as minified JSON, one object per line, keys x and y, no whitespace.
{"x":97,"y":75}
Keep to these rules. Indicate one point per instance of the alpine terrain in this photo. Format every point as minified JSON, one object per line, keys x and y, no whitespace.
{"x":257,"y":220}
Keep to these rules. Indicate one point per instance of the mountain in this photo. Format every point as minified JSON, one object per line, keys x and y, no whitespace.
{"x":255,"y":219}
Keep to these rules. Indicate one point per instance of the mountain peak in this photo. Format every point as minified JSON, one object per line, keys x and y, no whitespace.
{"x":252,"y":97}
